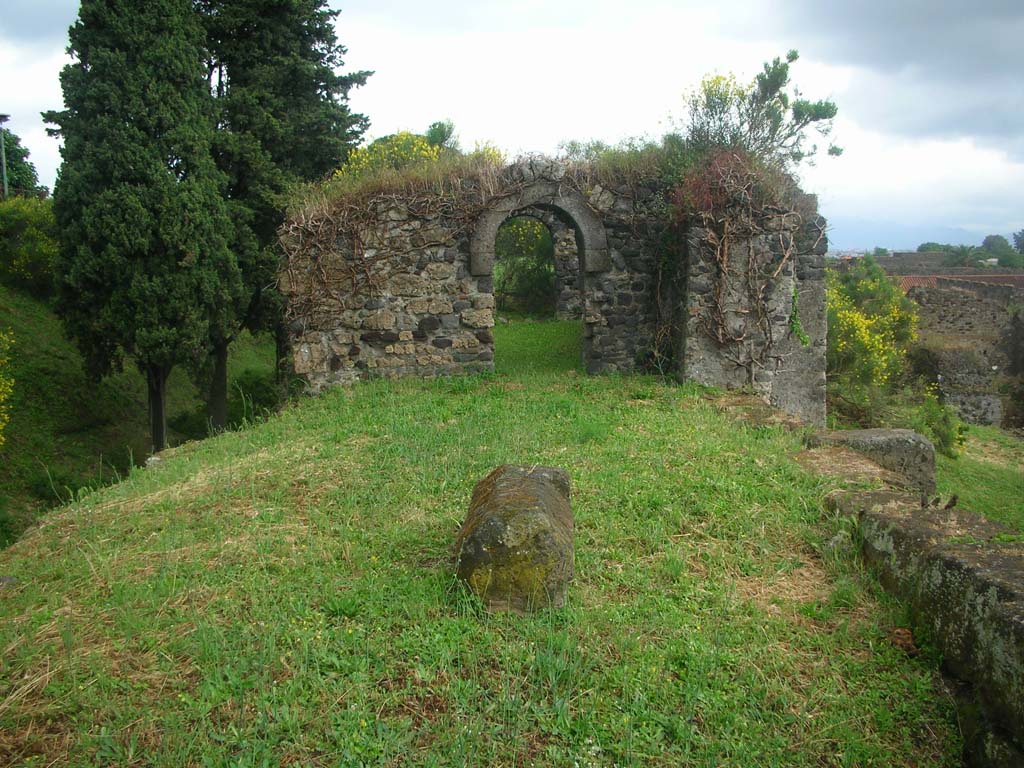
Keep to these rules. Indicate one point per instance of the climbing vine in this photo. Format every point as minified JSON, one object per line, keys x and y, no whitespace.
{"x":749,"y":225}
{"x":338,"y":234}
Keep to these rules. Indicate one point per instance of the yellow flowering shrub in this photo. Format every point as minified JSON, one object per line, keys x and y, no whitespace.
{"x":396,"y":152}
{"x":6,"y":382}
{"x":870,"y":325}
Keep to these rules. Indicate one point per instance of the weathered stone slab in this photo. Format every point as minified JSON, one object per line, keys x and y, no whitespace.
{"x":515,"y":548}
{"x":900,"y":450}
{"x":963,"y":578}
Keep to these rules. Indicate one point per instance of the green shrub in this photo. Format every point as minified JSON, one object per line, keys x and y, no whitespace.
{"x":524,"y":267}
{"x":939,"y":423}
{"x":28,"y":245}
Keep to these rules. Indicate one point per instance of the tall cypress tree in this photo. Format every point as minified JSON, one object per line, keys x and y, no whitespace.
{"x":144,"y":262}
{"x":283,"y":117}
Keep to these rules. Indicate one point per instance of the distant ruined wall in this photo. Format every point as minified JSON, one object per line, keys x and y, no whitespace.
{"x":1003,"y":294}
{"x":411,"y":292}
{"x":933,"y":263}
{"x":963,"y":328}
{"x":952,"y":310}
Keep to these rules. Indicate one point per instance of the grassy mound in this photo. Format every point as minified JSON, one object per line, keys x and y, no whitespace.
{"x":67,"y":433}
{"x":283,"y":595}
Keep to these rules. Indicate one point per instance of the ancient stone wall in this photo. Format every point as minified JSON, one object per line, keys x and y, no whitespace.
{"x":963,"y":331}
{"x":962,"y":578}
{"x":1009,"y":290}
{"x":958,"y":313}
{"x":779,"y":353}
{"x":410,"y":290}
{"x":417,"y":310}
{"x":933,"y":263}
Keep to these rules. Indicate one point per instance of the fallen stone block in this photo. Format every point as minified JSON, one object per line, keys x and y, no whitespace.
{"x":900,"y":450}
{"x":515,"y":548}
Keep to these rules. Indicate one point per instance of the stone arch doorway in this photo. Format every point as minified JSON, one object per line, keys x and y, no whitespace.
{"x":568,"y":205}
{"x":562,"y":210}
{"x":566,"y":251}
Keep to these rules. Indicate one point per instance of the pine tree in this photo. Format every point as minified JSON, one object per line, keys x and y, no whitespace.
{"x":283,"y":117}
{"x":144,"y":262}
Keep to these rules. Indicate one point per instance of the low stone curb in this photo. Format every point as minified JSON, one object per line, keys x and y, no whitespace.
{"x":963,"y":579}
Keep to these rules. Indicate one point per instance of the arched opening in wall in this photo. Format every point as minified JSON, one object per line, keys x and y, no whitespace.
{"x":536,"y":258}
{"x":524,"y":269}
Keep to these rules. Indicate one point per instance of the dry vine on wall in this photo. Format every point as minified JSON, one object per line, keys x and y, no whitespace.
{"x":734,"y":208}
{"x":338,"y":247}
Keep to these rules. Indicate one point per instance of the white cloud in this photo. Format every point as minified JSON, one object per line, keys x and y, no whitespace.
{"x":36,"y":87}
{"x":528,"y":75}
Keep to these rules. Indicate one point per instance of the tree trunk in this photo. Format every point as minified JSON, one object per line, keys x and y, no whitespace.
{"x":156,"y":380}
{"x":217,"y":406}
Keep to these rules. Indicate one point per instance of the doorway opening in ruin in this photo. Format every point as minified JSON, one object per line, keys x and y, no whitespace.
{"x":537,"y":265}
{"x":577,"y":232}
{"x":537,"y":292}
{"x":524,"y":269}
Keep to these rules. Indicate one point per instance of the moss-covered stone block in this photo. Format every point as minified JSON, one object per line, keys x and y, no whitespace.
{"x":515,"y":548}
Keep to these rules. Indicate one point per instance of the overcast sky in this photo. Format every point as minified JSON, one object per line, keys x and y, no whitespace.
{"x":930,"y":92}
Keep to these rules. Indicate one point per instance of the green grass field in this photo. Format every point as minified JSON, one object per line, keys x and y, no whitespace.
{"x":283,"y":595}
{"x":988,"y":477}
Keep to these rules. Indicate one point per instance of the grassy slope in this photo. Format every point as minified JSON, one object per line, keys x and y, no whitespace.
{"x":67,"y":432}
{"x":988,"y":477}
{"x":284,"y":594}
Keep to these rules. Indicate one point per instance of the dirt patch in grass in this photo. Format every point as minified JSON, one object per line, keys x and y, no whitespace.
{"x":752,"y":410}
{"x":788,"y":588}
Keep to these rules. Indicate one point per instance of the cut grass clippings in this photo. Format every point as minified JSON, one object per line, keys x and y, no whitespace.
{"x":283,"y":595}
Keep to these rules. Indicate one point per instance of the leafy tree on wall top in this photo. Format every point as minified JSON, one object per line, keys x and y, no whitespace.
{"x":762,"y":118}
{"x":1018,"y":241}
{"x":144,"y":261}
{"x":442,"y":134}
{"x":283,"y":117}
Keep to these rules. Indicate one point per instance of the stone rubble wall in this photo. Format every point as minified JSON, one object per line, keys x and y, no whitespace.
{"x":792,"y":374}
{"x":964,"y":330}
{"x":620,"y":308}
{"x":419,"y":312}
{"x":963,"y":579}
{"x":415,"y":297}
{"x":994,"y":289}
{"x":954,"y":311}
